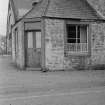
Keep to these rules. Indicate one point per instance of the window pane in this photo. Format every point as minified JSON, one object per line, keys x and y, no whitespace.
{"x":78,"y":32}
{"x":38,"y":39}
{"x":30,"y":39}
{"x":71,"y":31}
{"x":71,"y":40}
{"x":83,"y":34}
{"x":78,"y":40}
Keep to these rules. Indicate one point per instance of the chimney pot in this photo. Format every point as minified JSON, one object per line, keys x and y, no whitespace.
{"x":34,"y":2}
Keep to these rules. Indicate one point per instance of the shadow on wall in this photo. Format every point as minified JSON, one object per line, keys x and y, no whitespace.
{"x":91,"y":67}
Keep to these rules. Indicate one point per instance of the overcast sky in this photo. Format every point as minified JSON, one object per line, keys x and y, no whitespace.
{"x":3,"y":16}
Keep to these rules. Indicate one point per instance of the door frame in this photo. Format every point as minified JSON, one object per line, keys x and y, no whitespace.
{"x":25,"y":47}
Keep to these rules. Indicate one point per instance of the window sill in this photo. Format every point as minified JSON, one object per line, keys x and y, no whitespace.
{"x":76,"y":54}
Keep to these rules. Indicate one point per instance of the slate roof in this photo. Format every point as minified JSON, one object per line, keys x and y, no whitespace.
{"x":74,"y":9}
{"x":22,"y":6}
{"x":71,"y":9}
{"x":38,"y":10}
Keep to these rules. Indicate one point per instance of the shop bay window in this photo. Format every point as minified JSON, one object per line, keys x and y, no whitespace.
{"x":76,"y":38}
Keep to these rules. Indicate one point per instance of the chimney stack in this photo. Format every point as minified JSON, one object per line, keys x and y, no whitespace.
{"x":34,"y":2}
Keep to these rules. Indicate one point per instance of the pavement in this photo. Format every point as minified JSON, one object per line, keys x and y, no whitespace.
{"x":86,"y":87}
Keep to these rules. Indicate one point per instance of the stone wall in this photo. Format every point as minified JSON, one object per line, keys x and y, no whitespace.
{"x":13,"y":47}
{"x":10,"y":23}
{"x":18,"y":57}
{"x":54,"y":48}
{"x":98,"y":43}
{"x":55,"y":58}
{"x":73,"y":62}
{"x":54,"y":44}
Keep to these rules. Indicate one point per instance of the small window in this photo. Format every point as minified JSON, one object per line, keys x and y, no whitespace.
{"x":34,"y":39}
{"x":30,"y":39}
{"x":77,"y":38}
{"x":16,"y":40}
{"x":38,"y":39}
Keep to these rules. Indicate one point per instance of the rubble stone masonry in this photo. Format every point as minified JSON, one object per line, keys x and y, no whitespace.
{"x":18,"y":57}
{"x":54,"y":44}
{"x":98,"y":43}
{"x":55,"y":58}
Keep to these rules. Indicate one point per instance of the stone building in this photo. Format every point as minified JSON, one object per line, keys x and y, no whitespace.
{"x":55,"y":34}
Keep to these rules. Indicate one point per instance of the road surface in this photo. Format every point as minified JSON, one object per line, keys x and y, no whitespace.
{"x":51,"y":88}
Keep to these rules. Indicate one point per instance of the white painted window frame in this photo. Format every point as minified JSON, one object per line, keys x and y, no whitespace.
{"x":81,"y":44}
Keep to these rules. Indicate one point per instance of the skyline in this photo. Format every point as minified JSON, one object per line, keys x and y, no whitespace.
{"x":3,"y":16}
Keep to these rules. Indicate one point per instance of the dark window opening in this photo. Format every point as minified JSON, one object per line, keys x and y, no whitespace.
{"x":76,"y":34}
{"x":77,"y":38}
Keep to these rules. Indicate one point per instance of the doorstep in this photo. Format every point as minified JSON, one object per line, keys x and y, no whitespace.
{"x":33,"y":69}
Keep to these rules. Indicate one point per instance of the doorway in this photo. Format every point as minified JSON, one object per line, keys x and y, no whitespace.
{"x":33,"y":49}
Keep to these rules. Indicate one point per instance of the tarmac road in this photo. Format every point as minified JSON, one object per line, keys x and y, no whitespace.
{"x":51,"y":88}
{"x":93,"y":96}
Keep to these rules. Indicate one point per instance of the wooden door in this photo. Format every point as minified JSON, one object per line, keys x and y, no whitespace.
{"x":33,"y":50}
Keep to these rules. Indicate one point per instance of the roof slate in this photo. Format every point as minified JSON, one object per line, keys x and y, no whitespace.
{"x":38,"y":10}
{"x":71,"y":9}
{"x":22,"y":6}
{"x":74,"y":9}
{"x":27,"y":4}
